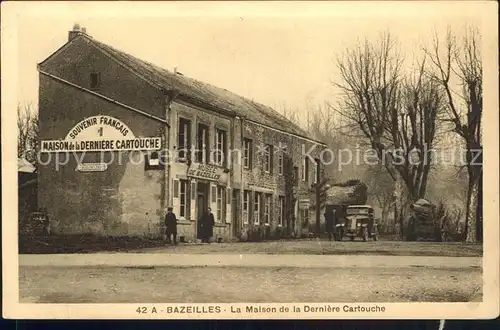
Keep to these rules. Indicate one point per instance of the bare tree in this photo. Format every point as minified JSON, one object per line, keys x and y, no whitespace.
{"x":27,"y":128}
{"x":380,"y":187}
{"x":396,"y":113}
{"x":460,"y":61}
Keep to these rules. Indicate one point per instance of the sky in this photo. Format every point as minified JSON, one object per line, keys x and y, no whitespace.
{"x":283,"y":56}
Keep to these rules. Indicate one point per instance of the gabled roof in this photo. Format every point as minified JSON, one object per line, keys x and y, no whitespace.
{"x":205,"y":93}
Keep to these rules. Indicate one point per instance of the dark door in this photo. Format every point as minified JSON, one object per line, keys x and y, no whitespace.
{"x":235,"y":211}
{"x":201,"y":205}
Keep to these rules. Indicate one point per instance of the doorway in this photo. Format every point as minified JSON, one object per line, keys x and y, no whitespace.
{"x":201,"y":204}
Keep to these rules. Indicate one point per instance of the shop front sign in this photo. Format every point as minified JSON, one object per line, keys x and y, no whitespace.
{"x":207,"y":172}
{"x":100,"y":133}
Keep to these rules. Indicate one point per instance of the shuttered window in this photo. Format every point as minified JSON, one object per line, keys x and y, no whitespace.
{"x":220,"y":204}
{"x":257,"y":208}
{"x":246,"y":210}
{"x":183,"y":198}
{"x":281,"y":210}
{"x":267,"y":209}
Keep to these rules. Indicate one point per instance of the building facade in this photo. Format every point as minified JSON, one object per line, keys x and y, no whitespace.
{"x":122,"y":139}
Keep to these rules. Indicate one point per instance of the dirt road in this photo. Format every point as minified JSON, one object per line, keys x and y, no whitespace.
{"x":246,"y":284}
{"x":306,"y":271}
{"x":245,"y":260}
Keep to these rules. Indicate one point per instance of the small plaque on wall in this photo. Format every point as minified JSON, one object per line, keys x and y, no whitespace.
{"x":91,"y":167}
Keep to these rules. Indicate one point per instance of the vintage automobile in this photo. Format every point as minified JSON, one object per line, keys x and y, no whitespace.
{"x":359,"y":222}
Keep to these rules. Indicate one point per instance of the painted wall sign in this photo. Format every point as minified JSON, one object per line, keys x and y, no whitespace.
{"x":92,"y":167}
{"x":266,"y":185}
{"x":101,"y":133}
{"x":208,"y":172}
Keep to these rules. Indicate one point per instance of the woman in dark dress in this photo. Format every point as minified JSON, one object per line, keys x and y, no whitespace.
{"x":208,"y":223}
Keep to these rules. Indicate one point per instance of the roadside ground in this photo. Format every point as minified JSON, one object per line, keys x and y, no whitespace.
{"x":90,"y":244}
{"x":324,"y":247}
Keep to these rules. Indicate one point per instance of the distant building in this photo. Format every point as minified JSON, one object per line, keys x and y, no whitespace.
{"x":27,"y":190}
{"x":220,"y":150}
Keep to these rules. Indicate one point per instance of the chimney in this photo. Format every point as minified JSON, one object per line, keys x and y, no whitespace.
{"x":77,"y":30}
{"x":175,"y":69}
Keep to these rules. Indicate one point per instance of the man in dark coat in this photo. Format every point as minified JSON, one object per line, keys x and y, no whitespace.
{"x":171,"y":226}
{"x":207,"y":222}
{"x":330,"y":223}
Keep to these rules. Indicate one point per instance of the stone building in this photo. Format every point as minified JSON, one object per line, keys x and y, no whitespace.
{"x":122,"y":139}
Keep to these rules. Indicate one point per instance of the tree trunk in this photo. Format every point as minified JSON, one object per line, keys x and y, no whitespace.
{"x":384,"y":220}
{"x":471,"y":209}
{"x":479,"y":210}
{"x":398,"y":207}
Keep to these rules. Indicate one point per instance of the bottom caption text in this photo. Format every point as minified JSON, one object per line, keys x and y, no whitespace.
{"x":276,"y":309}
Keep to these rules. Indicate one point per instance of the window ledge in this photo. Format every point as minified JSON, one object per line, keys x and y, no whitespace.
{"x":184,"y":222}
{"x":267,"y":224}
{"x":220,"y":224}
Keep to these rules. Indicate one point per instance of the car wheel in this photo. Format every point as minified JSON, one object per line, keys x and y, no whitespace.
{"x":351,"y":238}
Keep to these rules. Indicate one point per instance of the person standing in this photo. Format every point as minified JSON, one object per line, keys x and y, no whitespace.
{"x":208,"y":223}
{"x":171,"y":226}
{"x":329,"y":224}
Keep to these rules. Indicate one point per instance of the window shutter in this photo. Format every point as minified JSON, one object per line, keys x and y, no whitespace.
{"x":176,"y":202}
{"x":213,"y":204}
{"x":193,"y":190}
{"x":228,"y":205}
{"x":192,"y":209}
{"x":250,"y":207}
{"x":214,"y":194}
{"x":176,"y":188}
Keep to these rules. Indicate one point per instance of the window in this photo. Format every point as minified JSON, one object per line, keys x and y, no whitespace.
{"x":281,"y":160}
{"x":221,"y":147}
{"x":247,"y":153}
{"x":281,"y":210}
{"x":184,"y":138}
{"x":256,"y":208}
{"x":220,"y":199}
{"x":202,"y":150}
{"x":183,"y":198}
{"x":268,"y":158}
{"x":267,"y":210}
{"x":246,"y":200}
{"x":180,"y":197}
{"x":95,"y":80}
{"x":305,"y":169}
